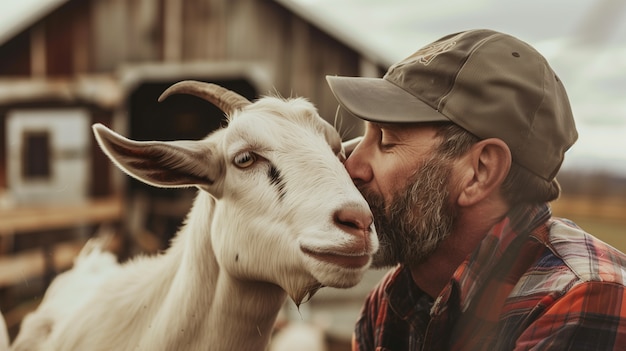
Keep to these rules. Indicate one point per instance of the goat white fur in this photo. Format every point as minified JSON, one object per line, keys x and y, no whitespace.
{"x":4,"y":335}
{"x":276,"y":215}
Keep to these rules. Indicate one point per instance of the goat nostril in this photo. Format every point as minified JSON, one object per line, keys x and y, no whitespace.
{"x":353,"y":219}
{"x":352,"y":225}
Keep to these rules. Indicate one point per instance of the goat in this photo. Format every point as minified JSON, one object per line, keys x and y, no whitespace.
{"x":276,"y":215}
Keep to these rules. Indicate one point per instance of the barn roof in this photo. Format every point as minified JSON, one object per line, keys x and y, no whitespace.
{"x":15,"y":16}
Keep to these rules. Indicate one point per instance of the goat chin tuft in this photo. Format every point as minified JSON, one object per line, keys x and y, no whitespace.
{"x":300,"y":296}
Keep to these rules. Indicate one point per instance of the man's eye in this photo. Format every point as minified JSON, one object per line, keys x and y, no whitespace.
{"x":387,"y":140}
{"x":387,"y":147}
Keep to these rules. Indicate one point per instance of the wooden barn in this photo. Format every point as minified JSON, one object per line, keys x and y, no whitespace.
{"x":71,"y":63}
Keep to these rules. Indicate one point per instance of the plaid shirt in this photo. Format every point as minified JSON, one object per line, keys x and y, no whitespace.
{"x":535,"y":282}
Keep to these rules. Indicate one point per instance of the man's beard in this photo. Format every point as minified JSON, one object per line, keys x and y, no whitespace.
{"x":417,"y":220}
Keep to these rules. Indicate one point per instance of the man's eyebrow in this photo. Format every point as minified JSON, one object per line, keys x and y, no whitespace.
{"x":403,"y":126}
{"x":390,"y":126}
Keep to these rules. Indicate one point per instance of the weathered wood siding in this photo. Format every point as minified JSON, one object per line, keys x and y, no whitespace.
{"x":99,"y":36}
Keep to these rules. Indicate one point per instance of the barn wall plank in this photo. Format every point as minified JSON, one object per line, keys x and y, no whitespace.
{"x":109,"y":34}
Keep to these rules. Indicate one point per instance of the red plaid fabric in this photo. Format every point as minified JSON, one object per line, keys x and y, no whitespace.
{"x":535,"y":283}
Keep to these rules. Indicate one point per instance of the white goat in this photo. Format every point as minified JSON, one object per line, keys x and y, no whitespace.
{"x":276,"y":215}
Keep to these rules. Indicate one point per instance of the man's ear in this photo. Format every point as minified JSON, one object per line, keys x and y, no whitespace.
{"x":484,"y":168}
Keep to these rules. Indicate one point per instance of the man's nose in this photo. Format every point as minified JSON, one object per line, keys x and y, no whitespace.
{"x":358,"y":166}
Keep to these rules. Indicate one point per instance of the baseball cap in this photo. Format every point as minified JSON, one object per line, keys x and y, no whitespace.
{"x":491,"y":84}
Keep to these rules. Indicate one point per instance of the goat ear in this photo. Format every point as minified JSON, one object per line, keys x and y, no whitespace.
{"x":171,"y":164}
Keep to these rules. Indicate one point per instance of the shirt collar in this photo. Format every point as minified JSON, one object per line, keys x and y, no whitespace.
{"x":404,"y":296}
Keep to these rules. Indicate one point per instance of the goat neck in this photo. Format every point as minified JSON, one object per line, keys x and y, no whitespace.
{"x":203,"y":297}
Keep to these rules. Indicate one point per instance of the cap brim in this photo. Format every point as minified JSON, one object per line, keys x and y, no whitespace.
{"x":378,"y":100}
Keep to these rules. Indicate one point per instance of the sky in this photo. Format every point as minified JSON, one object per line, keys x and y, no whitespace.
{"x":584,"y":40}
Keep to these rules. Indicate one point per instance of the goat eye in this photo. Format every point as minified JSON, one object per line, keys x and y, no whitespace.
{"x":244,"y":159}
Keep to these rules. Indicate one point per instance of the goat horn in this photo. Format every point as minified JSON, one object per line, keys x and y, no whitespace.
{"x":226,"y":100}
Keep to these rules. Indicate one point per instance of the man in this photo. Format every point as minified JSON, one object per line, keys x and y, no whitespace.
{"x":462,"y":144}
